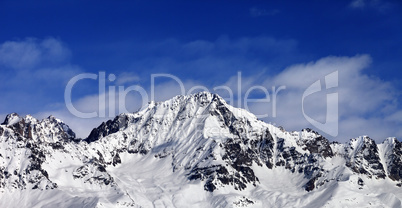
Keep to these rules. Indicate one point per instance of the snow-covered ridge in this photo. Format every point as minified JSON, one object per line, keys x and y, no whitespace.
{"x":49,"y":129}
{"x":197,"y":150}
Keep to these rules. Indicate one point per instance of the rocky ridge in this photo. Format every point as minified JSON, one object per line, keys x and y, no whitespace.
{"x":205,"y":139}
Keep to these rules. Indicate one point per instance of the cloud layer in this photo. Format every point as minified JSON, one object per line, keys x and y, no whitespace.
{"x":38,"y":70}
{"x":33,"y":70}
{"x":367,"y":105}
{"x":364,"y":101}
{"x":29,"y":53}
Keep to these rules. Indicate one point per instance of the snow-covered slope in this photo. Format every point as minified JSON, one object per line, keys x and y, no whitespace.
{"x":192,"y":150}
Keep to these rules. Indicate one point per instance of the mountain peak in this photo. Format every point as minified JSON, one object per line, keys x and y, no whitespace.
{"x":11,"y":119}
{"x":194,"y":107}
{"x":200,"y":98}
{"x":390,"y":140}
{"x":14,"y":118}
{"x":50,"y":128}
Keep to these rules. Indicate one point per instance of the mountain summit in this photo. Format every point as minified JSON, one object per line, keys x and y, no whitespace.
{"x":192,"y":150}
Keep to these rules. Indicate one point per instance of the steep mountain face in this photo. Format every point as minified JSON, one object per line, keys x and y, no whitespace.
{"x":228,"y":143}
{"x":197,"y":150}
{"x":35,"y":155}
{"x":25,"y":143}
{"x":364,"y":158}
{"x":393,"y":159}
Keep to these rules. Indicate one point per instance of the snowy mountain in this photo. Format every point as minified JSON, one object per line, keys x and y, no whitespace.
{"x":193,"y":150}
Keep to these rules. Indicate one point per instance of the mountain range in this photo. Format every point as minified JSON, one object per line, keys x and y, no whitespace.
{"x":194,"y":150}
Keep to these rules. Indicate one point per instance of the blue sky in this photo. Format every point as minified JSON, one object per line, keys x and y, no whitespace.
{"x":291,"y":43}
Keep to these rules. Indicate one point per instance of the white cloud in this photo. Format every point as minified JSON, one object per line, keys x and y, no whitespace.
{"x":35,"y":70}
{"x":33,"y":59}
{"x":379,"y":5}
{"x":127,"y":78}
{"x":364,"y":101}
{"x":31,"y":52}
{"x":19,"y":54}
{"x":395,"y":117}
{"x":367,"y":105}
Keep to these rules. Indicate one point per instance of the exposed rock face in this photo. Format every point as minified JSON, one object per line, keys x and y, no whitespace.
{"x":364,"y":157}
{"x":47,"y":130}
{"x":93,"y":173}
{"x":316,"y":144}
{"x":394,"y":159}
{"x":26,"y":142}
{"x":110,"y":127}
